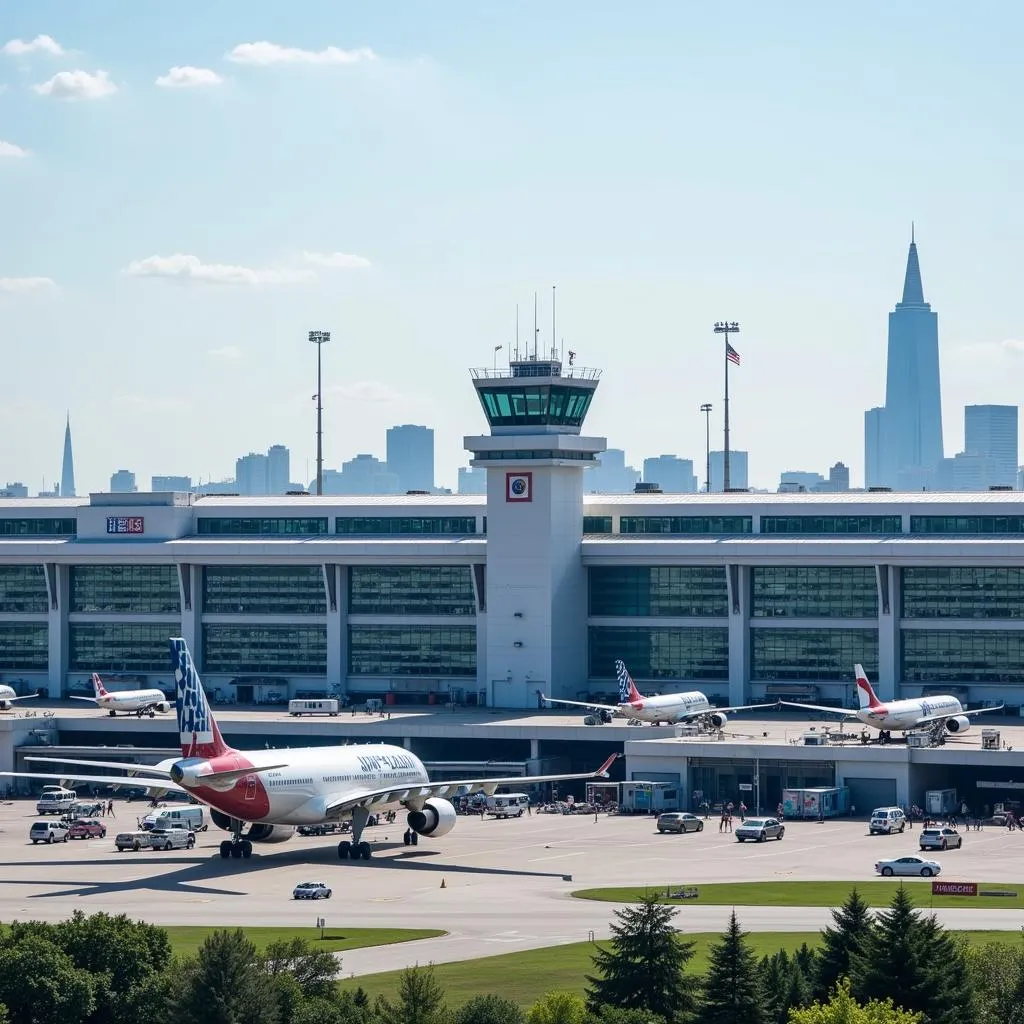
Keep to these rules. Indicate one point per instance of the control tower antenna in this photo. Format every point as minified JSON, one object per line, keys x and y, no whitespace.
{"x":554,"y":343}
{"x":536,"y":329}
{"x":517,"y":332}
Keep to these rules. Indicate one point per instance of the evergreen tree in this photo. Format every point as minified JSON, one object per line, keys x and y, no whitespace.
{"x":852,"y":923}
{"x":732,"y":985}
{"x":785,"y":984}
{"x":643,"y":967}
{"x":420,"y":999}
{"x":842,"y":1008}
{"x":489,"y":1009}
{"x":909,"y":958}
{"x":617,"y":1015}
{"x":558,"y":1008}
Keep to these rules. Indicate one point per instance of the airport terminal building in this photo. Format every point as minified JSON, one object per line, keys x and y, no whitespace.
{"x":530,"y":588}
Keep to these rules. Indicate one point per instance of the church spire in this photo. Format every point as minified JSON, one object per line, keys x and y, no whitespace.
{"x":67,"y":470}
{"x":913,"y":290}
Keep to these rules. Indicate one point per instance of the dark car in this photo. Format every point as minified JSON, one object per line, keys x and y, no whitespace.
{"x":679,"y":822}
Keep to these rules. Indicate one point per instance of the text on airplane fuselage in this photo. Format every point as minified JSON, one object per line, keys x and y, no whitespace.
{"x":378,"y":762}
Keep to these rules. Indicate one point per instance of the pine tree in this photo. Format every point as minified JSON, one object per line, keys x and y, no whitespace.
{"x":909,"y":958}
{"x":643,"y":968}
{"x":732,"y":985}
{"x":852,"y":923}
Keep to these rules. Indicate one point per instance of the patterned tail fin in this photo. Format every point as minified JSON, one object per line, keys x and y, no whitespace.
{"x":865,"y":694}
{"x":197,"y":728}
{"x":628,"y":693}
{"x":97,"y":685}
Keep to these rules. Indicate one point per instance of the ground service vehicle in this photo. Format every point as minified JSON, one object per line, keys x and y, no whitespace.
{"x":55,"y":800}
{"x":886,"y":820}
{"x":311,"y":891}
{"x":908,"y":866}
{"x":133,"y":841}
{"x":189,"y":818}
{"x":48,"y":832}
{"x":87,"y":829}
{"x":323,"y":706}
{"x":940,"y":839}
{"x":676,"y":822}
{"x":759,"y":829}
{"x":508,"y":805}
{"x":171,"y":839}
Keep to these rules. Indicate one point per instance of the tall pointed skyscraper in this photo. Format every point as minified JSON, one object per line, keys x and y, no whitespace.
{"x":67,"y":469}
{"x":903,"y":441}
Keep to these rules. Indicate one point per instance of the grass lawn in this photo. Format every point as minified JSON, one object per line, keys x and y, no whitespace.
{"x":186,"y":939}
{"x":813,"y":894}
{"x":526,"y":976}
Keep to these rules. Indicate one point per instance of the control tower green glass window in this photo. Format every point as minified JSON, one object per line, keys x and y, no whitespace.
{"x":530,"y":405}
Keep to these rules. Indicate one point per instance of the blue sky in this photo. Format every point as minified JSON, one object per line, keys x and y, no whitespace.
{"x":666,"y":165}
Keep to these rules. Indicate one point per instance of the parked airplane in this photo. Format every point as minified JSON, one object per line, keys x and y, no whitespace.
{"x":261,"y":796}
{"x":670,"y":707}
{"x":8,"y":697}
{"x":137,"y":702}
{"x":943,"y":714}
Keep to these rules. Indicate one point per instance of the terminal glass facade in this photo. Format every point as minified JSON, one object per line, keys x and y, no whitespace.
{"x":659,"y":590}
{"x":10,"y":527}
{"x":285,"y":526}
{"x":597,"y":524}
{"x":813,"y":592}
{"x":967,"y":524}
{"x":831,"y":524}
{"x":812,"y":655}
{"x":264,"y":590}
{"x":120,"y":646}
{"x":125,"y":589}
{"x":411,"y":590}
{"x":962,"y":656}
{"x":967,"y":592}
{"x":401,"y":526}
{"x":295,"y":650}
{"x":710,"y":525}
{"x":24,"y":646}
{"x":22,"y":591}
{"x":412,"y":651}
{"x":660,"y":652}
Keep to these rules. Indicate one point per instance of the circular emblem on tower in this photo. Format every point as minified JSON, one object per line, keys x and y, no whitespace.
{"x":518,"y":486}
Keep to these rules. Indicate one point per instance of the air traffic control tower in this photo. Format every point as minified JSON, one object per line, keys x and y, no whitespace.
{"x":535,"y":585}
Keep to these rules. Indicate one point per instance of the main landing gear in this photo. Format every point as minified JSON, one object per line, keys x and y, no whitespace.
{"x":356,"y":850}
{"x":236,"y":846}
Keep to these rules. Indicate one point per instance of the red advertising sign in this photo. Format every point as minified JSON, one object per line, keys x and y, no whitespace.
{"x":126,"y":524}
{"x":954,"y":888}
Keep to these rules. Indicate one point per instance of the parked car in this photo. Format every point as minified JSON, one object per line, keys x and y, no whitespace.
{"x":886,"y":820}
{"x":323,"y":829}
{"x":908,"y":866}
{"x":311,"y":891}
{"x":48,"y":832}
{"x":944,"y":838}
{"x":133,"y":841}
{"x":759,"y":829}
{"x":678,"y":822}
{"x":87,"y":829}
{"x":171,"y":839}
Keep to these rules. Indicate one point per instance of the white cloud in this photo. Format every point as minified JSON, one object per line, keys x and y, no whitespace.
{"x":77,"y":85}
{"x":188,"y":77}
{"x":41,"y":44}
{"x":264,"y":54}
{"x":336,"y":260}
{"x":989,"y":351}
{"x":367,"y":391}
{"x":10,"y":149}
{"x":184,"y":267}
{"x":226,"y":352}
{"x":25,"y":284}
{"x":139,"y":403}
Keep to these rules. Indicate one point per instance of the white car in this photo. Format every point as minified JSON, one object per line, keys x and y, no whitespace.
{"x":49,"y":832}
{"x":311,"y":891}
{"x":171,"y":839}
{"x":760,"y":829}
{"x":908,"y":866}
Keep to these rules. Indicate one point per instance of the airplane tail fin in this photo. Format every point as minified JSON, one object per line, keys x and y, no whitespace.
{"x":628,"y":693}
{"x":865,"y":695}
{"x":197,"y":728}
{"x":97,"y":684}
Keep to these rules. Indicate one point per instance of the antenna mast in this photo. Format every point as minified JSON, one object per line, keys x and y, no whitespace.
{"x":554,"y":343}
{"x":517,"y":332}
{"x":536,"y":329}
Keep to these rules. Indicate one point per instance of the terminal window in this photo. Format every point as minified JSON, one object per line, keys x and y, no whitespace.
{"x":660,"y":652}
{"x":680,"y":591}
{"x":120,"y":646}
{"x":264,"y":590}
{"x":10,"y":527}
{"x":597,"y":524}
{"x":23,"y":591}
{"x":428,"y":651}
{"x":288,"y":526}
{"x":411,"y":590}
{"x":143,"y":589}
{"x":962,"y":656}
{"x":295,"y":650}
{"x":812,"y":655}
{"x":686,"y":524}
{"x":967,"y":524}
{"x":24,"y":646}
{"x":811,"y":592}
{"x":963,"y":592}
{"x":831,"y":524}
{"x":396,"y":526}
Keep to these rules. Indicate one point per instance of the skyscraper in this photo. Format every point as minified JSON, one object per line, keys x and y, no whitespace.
{"x":410,"y":456}
{"x":991,"y":431}
{"x":673,"y":474}
{"x":909,"y":430}
{"x":278,"y":469}
{"x":67,"y":469}
{"x":737,"y":470}
{"x":123,"y":482}
{"x":251,"y":474}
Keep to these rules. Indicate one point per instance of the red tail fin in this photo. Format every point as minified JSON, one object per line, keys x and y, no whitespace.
{"x":865,"y":695}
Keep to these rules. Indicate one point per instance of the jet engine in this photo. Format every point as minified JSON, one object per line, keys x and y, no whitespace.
{"x":718,"y":719}
{"x":958,"y":724}
{"x":5,"y":705}
{"x":435,"y":820}
{"x":257,"y":832}
{"x":163,"y":707}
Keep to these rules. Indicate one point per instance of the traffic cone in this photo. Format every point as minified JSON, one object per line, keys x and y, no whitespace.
{"x":443,"y":886}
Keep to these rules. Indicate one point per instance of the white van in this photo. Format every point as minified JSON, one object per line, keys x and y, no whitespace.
{"x":508,"y":805}
{"x":886,"y":820}
{"x":55,"y":800}
{"x":189,"y":818}
{"x":323,"y":706}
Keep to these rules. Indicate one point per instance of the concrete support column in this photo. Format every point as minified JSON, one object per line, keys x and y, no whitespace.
{"x":190,"y":583}
{"x":738,"y":577}
{"x":58,"y":587}
{"x":407,"y":742}
{"x":889,"y":600}
{"x":337,"y":631}
{"x":534,"y":750}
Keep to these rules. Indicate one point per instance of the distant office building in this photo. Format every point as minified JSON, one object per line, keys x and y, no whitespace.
{"x":839,"y":477}
{"x":991,"y":431}
{"x":67,"y":471}
{"x":903,"y":442}
{"x":364,"y":474}
{"x":410,"y":456}
{"x":672,"y":474}
{"x":171,"y":483}
{"x":472,"y":480}
{"x":123,"y":482}
{"x":15,"y":490}
{"x":278,"y":469}
{"x":798,"y":480}
{"x":737,"y":470}
{"x":610,"y":474}
{"x":251,"y":474}
{"x":55,"y":493}
{"x":216,"y":487}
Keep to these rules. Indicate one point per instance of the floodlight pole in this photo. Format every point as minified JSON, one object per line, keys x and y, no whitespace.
{"x":706,"y":409}
{"x":319,"y":338}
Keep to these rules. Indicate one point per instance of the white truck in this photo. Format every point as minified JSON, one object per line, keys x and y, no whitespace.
{"x":508,"y":805}
{"x":55,"y":800}
{"x":321,"y":706}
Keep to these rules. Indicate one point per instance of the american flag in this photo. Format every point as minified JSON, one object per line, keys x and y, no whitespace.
{"x":731,"y":354}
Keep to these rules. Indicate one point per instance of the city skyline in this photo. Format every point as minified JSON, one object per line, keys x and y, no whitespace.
{"x":798,"y":235}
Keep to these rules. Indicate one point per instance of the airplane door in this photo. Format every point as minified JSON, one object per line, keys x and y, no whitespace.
{"x":250,"y":788}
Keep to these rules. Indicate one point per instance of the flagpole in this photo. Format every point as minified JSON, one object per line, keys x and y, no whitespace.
{"x":726,"y":327}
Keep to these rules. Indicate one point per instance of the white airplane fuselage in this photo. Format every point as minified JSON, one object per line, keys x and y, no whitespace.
{"x":668,"y":707}
{"x":127,"y":701}
{"x":903,"y":715}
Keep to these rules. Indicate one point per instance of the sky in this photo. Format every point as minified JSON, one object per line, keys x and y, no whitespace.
{"x":183,"y":199}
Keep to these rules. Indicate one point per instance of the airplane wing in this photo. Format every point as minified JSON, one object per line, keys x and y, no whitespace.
{"x":929,"y":719}
{"x":28,"y":696}
{"x":582,"y":704}
{"x":154,"y":786}
{"x":91,"y":699}
{"x":395,"y":794}
{"x":741,"y":707}
{"x":148,"y":769}
{"x":844,"y":712}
